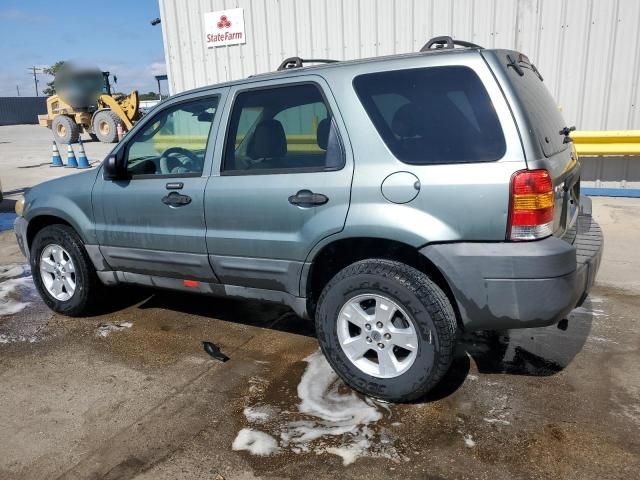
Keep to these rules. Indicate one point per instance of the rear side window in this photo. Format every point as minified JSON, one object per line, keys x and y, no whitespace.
{"x":281,"y":130}
{"x":433,"y":115}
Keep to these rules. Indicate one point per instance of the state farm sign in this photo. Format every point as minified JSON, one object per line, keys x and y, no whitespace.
{"x":225,"y":27}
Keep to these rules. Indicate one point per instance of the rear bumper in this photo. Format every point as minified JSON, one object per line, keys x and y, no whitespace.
{"x":520,"y":284}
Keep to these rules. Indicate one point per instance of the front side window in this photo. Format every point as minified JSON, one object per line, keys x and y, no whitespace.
{"x":433,"y":115}
{"x":284,"y":129}
{"x":174,"y":141}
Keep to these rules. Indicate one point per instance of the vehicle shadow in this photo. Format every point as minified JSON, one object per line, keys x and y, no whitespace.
{"x":537,"y":352}
{"x":247,"y":312}
{"x":534,"y":352}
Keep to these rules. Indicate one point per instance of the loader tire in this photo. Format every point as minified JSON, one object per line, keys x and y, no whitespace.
{"x":105,"y":126}
{"x":65,"y":129}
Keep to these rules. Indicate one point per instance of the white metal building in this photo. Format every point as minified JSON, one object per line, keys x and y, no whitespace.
{"x":587,"y":50}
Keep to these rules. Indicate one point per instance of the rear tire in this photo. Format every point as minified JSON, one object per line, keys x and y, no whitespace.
{"x":57,"y":253}
{"x":423,"y":314}
{"x":105,"y":126}
{"x":65,"y":129}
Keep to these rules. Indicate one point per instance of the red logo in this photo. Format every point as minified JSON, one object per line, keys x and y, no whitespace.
{"x":224,"y":22}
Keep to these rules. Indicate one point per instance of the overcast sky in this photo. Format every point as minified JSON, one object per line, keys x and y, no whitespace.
{"x":113,"y":35}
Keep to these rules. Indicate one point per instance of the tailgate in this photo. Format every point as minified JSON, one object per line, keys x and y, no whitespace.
{"x":543,"y":122}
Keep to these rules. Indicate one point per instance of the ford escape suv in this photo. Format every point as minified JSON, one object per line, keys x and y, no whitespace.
{"x":397,"y":201}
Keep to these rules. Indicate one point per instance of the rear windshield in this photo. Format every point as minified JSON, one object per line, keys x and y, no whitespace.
{"x":538,"y":104}
{"x":433,"y":115}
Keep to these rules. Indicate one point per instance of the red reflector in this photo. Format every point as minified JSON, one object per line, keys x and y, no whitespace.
{"x":191,"y":283}
{"x":532,"y":217}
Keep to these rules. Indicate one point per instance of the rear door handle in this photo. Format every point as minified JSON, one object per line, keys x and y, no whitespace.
{"x":306,"y":198}
{"x":175,"y":199}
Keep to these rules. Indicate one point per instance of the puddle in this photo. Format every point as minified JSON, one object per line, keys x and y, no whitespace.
{"x":105,"y":329}
{"x":329,"y":418}
{"x":6,"y":221}
{"x":17,"y":290}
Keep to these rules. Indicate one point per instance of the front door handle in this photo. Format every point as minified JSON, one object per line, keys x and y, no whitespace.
{"x":306,"y":198}
{"x":175,"y":199}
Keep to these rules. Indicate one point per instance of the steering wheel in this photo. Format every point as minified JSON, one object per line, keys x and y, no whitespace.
{"x":165,"y":169}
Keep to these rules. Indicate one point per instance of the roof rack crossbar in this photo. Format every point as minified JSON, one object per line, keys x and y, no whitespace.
{"x":297,"y":62}
{"x":446,"y":42}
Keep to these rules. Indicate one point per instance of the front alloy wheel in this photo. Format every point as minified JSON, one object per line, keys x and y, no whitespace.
{"x":58,"y":272}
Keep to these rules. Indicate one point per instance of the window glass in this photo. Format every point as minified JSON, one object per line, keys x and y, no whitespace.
{"x":174,"y":142}
{"x":541,"y":108}
{"x":284,"y":128}
{"x":433,"y":115}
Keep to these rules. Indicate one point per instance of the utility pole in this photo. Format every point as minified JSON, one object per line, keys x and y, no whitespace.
{"x":18,"y":90}
{"x":35,"y":71}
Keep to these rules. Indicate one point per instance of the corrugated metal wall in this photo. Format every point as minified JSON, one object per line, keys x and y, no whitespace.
{"x":587,"y":50}
{"x":21,"y":110}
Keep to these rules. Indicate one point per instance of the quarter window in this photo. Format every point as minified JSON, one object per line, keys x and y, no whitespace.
{"x":283,"y":129}
{"x":174,"y":141}
{"x":433,"y":115}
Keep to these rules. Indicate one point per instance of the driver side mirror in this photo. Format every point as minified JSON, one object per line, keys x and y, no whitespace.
{"x":115,"y":167}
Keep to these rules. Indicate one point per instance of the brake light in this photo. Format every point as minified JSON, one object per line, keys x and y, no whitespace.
{"x":531,"y":205}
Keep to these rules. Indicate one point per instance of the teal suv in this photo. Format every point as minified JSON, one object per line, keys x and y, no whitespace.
{"x":396,"y":201}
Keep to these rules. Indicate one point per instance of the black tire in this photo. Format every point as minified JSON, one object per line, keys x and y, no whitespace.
{"x":88,"y":286}
{"x":427,"y":305}
{"x":105,"y":126}
{"x":65,"y":129}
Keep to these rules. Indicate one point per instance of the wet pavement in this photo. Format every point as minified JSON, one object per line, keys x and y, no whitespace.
{"x":131,"y":393}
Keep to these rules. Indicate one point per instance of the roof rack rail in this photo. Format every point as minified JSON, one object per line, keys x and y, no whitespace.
{"x":446,"y":42}
{"x":297,"y":62}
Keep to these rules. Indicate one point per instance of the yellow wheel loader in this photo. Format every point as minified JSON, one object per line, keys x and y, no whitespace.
{"x":84,"y":103}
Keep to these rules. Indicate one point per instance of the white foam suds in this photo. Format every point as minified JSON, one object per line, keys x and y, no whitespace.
{"x":330,"y":419}
{"x":260,"y":413}
{"x":255,"y":442}
{"x":16,"y":285}
{"x":497,"y":420}
{"x":106,"y":328}
{"x":468,"y":441}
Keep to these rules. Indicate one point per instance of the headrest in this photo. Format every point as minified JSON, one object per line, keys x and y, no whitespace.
{"x":268,"y":141}
{"x":322,"y":133}
{"x":407,"y":121}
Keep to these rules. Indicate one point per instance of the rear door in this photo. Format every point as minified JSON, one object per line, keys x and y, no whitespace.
{"x":545,"y":125}
{"x":282,"y":184}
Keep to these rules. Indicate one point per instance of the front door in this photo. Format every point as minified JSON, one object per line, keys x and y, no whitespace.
{"x":153,"y":222}
{"x":283,"y":185}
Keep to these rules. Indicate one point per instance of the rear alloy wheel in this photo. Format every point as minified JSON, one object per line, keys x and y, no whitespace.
{"x":65,"y":129}
{"x":386,"y":329}
{"x":62,"y":271}
{"x":377,"y":336}
{"x":105,"y":126}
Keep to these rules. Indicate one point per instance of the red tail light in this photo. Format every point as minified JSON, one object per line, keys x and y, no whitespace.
{"x":531,"y":205}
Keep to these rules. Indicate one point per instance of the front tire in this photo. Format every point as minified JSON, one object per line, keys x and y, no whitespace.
{"x":62,"y":271}
{"x":386,"y":329}
{"x":105,"y":126}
